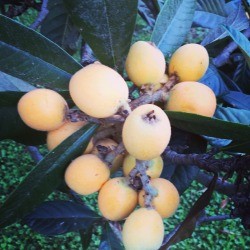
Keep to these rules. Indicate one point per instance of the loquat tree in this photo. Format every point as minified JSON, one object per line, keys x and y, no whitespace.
{"x":134,"y":121}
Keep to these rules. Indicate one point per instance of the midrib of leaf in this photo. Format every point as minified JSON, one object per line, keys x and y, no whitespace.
{"x":109,"y":31}
{"x":64,"y":30}
{"x":173,"y":19}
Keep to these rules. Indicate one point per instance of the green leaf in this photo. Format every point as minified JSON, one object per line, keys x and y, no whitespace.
{"x":28,"y":55}
{"x":182,"y":176}
{"x":107,"y":26}
{"x":186,"y":228}
{"x":58,"y":27}
{"x":217,"y":7}
{"x":242,"y":147}
{"x":237,"y":19}
{"x":173,"y":24}
{"x":109,"y":239}
{"x":45,"y":177}
{"x":213,"y":127}
{"x":10,"y":83}
{"x":12,"y":127}
{"x":233,"y":115}
{"x":241,"y":41}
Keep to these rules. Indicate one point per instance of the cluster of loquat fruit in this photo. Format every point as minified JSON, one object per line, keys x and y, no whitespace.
{"x":100,"y":92}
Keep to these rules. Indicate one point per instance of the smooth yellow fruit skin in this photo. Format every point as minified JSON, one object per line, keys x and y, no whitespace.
{"x":192,"y":97}
{"x":154,"y":170}
{"x":86,"y":174}
{"x":189,"y":62}
{"x":42,"y":109}
{"x":167,"y":200}
{"x":116,"y":199}
{"x":55,"y":137}
{"x":145,"y":64}
{"x":109,"y":143}
{"x":143,"y":230}
{"x":98,"y":90}
{"x":146,"y":139}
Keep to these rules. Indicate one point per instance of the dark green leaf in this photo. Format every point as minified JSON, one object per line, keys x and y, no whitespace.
{"x":45,"y":177}
{"x":238,"y":147}
{"x":217,"y":7}
{"x":209,"y":126}
{"x":107,"y":26}
{"x":58,"y":27}
{"x":173,"y":24}
{"x":241,"y":41}
{"x":29,"y":56}
{"x":233,"y":115}
{"x":237,"y":100}
{"x":10,"y":83}
{"x":12,"y":127}
{"x":60,"y":217}
{"x":213,"y":80}
{"x":182,"y":176}
{"x":186,"y":228}
{"x":236,"y":19}
{"x":109,"y":240}
{"x":86,"y":237}
{"x":242,"y":75}
{"x":10,"y":98}
{"x":207,"y":20}
{"x":148,"y":11}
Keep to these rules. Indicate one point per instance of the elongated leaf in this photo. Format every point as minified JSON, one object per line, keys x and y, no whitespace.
{"x":29,"y":56}
{"x":148,"y":11}
{"x":209,"y":126}
{"x":207,"y":20}
{"x":107,"y":26}
{"x":217,"y":7}
{"x":10,"y":83}
{"x":242,"y":75}
{"x":45,"y":177}
{"x":58,"y":27}
{"x":213,"y":80}
{"x":86,"y":237}
{"x":12,"y":127}
{"x":182,"y":176}
{"x":237,"y":19}
{"x":241,"y":41}
{"x":10,"y":98}
{"x":242,"y":147}
{"x":59,"y":217}
{"x":233,"y":115}
{"x":186,"y":228}
{"x":173,"y":24}
{"x":109,"y":240}
{"x":237,"y":100}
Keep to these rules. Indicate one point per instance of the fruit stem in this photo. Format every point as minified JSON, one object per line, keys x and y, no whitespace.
{"x":109,"y":158}
{"x":140,"y":171}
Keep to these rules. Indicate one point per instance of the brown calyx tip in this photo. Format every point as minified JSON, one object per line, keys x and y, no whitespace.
{"x":150,"y":116}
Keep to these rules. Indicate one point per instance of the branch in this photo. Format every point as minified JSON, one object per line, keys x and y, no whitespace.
{"x":208,"y":162}
{"x":41,"y":16}
{"x":223,"y":187}
{"x":207,"y":219}
{"x":224,"y":56}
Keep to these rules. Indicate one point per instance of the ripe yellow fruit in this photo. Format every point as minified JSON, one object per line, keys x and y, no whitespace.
{"x":145,"y":64}
{"x":110,"y":144}
{"x":143,"y":230}
{"x":154,"y":170}
{"x":116,"y":199}
{"x":86,"y":174}
{"x":146,"y":132}
{"x":98,"y":90}
{"x":189,"y":62}
{"x":192,"y":97}
{"x":55,"y":137}
{"x":43,"y":109}
{"x":167,"y":200}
